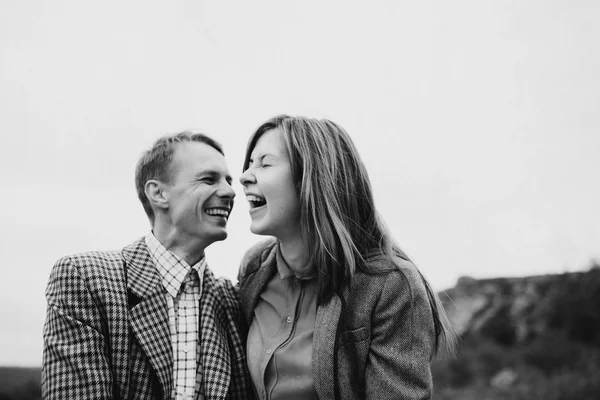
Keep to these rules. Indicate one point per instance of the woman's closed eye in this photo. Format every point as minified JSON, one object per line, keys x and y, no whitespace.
{"x":266,"y":161}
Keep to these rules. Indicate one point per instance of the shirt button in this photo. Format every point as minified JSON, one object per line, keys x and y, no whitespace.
{"x":268,"y":351}
{"x":186,"y":348}
{"x":288,"y":320}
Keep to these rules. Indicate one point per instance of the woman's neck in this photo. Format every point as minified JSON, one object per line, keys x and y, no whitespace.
{"x":295,"y":254}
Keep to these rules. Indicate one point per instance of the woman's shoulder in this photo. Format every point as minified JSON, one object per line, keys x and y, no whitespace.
{"x":380,"y":263}
{"x":255,"y":256}
{"x":398,"y":272}
{"x":393,"y":283}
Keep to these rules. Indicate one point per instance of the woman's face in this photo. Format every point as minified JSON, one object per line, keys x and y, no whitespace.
{"x":269,"y":188}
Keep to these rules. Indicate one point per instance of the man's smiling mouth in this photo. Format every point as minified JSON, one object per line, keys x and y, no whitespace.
{"x":218,"y":212}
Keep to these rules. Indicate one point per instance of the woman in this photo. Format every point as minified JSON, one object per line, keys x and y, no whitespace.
{"x":335,"y":309}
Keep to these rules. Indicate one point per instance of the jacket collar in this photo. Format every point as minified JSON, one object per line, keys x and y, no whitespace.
{"x":260,"y":272}
{"x":150,"y":323}
{"x":257,"y":280}
{"x":324,"y":342}
{"x":148,"y":314}
{"x":215,"y":358}
{"x":143,"y":280}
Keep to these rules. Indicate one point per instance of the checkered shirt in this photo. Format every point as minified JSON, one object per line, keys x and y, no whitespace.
{"x":184,"y":289}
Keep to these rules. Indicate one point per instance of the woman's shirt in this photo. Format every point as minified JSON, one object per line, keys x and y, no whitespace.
{"x":279,"y":346}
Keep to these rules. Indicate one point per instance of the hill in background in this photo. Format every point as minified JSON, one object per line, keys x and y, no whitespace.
{"x":20,"y":383}
{"x":528,"y":338}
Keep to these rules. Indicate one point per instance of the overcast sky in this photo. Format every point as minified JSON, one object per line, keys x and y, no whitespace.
{"x":479,"y":122}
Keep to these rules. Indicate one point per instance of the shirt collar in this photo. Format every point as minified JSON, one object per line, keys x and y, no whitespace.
{"x":171,"y":267}
{"x":285,"y":271}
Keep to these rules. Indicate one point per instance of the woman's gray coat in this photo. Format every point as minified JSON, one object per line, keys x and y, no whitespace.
{"x":374,"y":341}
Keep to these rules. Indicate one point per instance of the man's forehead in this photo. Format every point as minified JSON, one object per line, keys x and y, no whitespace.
{"x":199,"y":156}
{"x":194,"y":147}
{"x":196,"y":151}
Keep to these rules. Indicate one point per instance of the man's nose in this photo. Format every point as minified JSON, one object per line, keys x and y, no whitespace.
{"x":226,"y":191}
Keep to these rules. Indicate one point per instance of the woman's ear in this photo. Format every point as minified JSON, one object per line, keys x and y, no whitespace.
{"x":156,"y":194}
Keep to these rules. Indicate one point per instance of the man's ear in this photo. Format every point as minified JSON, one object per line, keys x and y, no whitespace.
{"x":156,"y":195}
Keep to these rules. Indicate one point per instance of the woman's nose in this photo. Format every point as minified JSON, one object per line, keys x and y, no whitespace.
{"x":247,"y":178}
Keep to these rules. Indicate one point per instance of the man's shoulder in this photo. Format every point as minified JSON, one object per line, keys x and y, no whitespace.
{"x":224,"y":287}
{"x":91,"y":258}
{"x":255,"y":256}
{"x":90,"y":261}
{"x":98,"y":263}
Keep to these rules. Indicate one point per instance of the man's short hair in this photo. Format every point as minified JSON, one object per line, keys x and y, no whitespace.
{"x":155,"y":163}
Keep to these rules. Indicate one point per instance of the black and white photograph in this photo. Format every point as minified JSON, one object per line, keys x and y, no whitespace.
{"x":280,"y":200}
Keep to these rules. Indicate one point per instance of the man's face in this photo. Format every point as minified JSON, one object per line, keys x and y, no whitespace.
{"x":199,"y":194}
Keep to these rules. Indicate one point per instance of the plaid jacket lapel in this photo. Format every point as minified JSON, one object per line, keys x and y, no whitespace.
{"x":215,"y":358}
{"x":148,"y":313}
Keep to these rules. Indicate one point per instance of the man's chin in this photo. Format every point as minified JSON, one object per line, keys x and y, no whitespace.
{"x":208,"y":238}
{"x":220,"y":236}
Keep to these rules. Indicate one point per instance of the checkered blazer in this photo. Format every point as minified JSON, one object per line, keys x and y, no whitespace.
{"x":107,"y":334}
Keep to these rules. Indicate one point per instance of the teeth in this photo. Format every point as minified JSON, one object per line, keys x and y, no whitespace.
{"x":252,"y":197}
{"x":217,"y":211}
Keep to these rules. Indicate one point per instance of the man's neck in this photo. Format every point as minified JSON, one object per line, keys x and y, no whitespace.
{"x":189,"y":249}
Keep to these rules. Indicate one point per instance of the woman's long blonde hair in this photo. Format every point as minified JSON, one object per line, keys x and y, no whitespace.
{"x":339,"y":221}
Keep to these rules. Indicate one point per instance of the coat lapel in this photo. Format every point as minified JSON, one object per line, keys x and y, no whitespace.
{"x":251,"y":289}
{"x":215,"y":361}
{"x":149,"y":314}
{"x":323,"y":351}
{"x":326,"y":323}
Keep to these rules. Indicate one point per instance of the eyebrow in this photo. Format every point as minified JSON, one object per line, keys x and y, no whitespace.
{"x":262,"y":156}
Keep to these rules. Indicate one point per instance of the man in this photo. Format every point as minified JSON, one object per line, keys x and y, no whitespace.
{"x":151,"y":321}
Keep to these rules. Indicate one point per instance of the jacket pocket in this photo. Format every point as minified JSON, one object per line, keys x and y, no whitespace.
{"x":355,"y":335}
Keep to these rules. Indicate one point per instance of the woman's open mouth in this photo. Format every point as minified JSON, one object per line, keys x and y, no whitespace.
{"x":255,"y":201}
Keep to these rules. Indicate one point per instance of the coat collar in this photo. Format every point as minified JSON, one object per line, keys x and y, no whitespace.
{"x":257,"y":280}
{"x":260,"y":271}
{"x":149,"y":316}
{"x":150,"y":323}
{"x":215,"y":359}
{"x":323,"y":351}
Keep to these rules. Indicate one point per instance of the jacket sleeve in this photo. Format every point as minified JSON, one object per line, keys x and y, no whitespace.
{"x":402,"y":338}
{"x":75,"y":361}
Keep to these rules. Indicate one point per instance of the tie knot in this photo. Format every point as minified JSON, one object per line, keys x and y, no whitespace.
{"x":191,"y":283}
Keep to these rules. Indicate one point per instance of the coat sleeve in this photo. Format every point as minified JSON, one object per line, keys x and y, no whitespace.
{"x":75,"y":355}
{"x":402,"y":339}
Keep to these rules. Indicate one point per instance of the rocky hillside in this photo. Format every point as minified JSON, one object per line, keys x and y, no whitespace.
{"x":528,"y":338}
{"x":513,"y":311}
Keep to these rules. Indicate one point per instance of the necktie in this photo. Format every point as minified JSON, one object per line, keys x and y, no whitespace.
{"x":191,"y":283}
